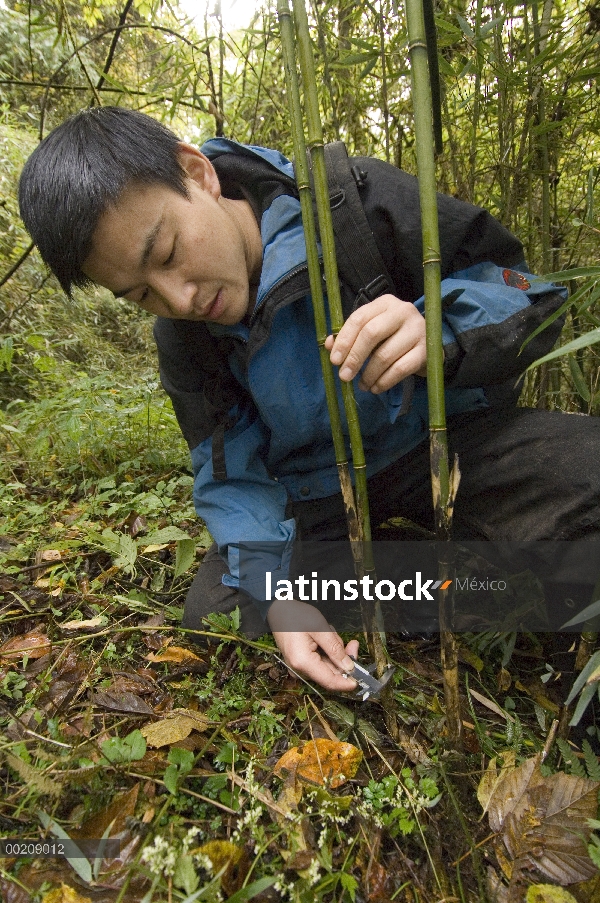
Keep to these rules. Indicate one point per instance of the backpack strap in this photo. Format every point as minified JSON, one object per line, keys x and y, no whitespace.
{"x":359,"y":260}
{"x":364,"y":275}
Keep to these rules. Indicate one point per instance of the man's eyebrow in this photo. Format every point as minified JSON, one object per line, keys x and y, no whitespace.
{"x":148,"y":246}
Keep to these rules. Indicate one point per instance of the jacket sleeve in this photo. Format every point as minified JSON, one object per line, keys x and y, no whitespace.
{"x":488,"y":313}
{"x":492,"y":304}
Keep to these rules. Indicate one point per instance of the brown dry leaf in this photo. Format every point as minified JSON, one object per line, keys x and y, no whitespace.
{"x":176,"y":726}
{"x":299,"y":861}
{"x":83,"y":625}
{"x":321,"y":761}
{"x":173,"y":654}
{"x":64,"y":894}
{"x":121,"y":808}
{"x":491,"y":705}
{"x":510,"y":790}
{"x":503,"y":680}
{"x":12,"y":893}
{"x":223,"y":853}
{"x":535,"y":689}
{"x":34,"y":644}
{"x":51,"y":555}
{"x":544,"y":820}
{"x":492,"y":777}
{"x":120,"y":701}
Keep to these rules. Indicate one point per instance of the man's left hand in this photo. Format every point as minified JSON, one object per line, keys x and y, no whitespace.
{"x":390,"y":333}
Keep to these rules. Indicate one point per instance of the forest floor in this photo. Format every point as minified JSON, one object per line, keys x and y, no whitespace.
{"x":219,"y":772}
{"x":210,"y":769}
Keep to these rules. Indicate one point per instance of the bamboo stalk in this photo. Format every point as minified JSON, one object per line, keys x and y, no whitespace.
{"x":314,"y":270}
{"x":443,"y":483}
{"x":357,"y":511}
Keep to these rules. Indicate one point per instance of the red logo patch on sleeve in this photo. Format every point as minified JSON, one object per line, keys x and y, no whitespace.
{"x":515,"y":280}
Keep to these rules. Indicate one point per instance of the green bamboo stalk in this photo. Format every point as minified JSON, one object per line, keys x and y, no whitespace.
{"x":443,"y":484}
{"x":359,"y":527}
{"x":314,"y":269}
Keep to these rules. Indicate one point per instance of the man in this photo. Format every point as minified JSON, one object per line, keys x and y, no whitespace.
{"x":212,"y":243}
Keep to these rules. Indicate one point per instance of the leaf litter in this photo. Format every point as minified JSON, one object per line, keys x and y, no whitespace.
{"x":215,"y":768}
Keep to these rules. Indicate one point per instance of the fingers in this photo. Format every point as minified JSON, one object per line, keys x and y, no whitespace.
{"x":390,"y":333}
{"x":319,"y":656}
{"x":392,"y":362}
{"x":352,"y":649}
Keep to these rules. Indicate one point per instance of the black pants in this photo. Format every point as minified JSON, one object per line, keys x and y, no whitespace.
{"x":525,"y":475}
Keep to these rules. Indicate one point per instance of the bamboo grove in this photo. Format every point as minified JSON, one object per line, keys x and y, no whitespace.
{"x":519,"y":99}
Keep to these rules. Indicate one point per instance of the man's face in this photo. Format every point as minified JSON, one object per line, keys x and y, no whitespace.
{"x":181,"y":258}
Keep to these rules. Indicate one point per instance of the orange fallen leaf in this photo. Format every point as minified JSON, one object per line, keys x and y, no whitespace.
{"x":173,"y":654}
{"x":34,"y":644}
{"x":321,"y":762}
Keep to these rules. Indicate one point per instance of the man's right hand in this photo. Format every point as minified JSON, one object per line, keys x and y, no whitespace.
{"x":310,"y":646}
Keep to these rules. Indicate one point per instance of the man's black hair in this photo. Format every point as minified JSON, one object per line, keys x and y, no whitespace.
{"x":80,"y":169}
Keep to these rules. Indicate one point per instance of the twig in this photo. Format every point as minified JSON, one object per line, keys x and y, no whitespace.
{"x":17,"y":264}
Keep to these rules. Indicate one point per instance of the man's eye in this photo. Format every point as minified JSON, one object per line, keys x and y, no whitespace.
{"x":144,"y":296}
{"x":170,"y":257}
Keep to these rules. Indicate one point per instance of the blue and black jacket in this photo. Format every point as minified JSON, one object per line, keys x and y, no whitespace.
{"x":250,"y":398}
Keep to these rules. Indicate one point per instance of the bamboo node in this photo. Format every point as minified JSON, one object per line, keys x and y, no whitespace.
{"x":427,"y":260}
{"x":413,"y":44}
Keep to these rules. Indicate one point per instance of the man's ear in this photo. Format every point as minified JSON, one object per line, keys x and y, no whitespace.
{"x":198,"y":168}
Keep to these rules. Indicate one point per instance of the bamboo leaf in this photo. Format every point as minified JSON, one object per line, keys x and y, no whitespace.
{"x":574,"y":273}
{"x":583,"y":675}
{"x":79,"y":864}
{"x":247,"y":893}
{"x":587,"y":694}
{"x":583,"y":341}
{"x":578,"y":378}
{"x":464,"y":26}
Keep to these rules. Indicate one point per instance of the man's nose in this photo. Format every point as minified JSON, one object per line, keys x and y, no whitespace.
{"x":178,"y":295}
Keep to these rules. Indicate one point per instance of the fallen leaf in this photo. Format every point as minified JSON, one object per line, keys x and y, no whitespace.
{"x":223,"y":853}
{"x":469,"y":657}
{"x":98,"y":621}
{"x":492,"y":777}
{"x":34,"y":644}
{"x":543,"y":820}
{"x":321,"y":761}
{"x":51,"y":555}
{"x":491,"y":705}
{"x":64,"y":894}
{"x":121,"y":702}
{"x":121,"y":808}
{"x":12,"y":893}
{"x":173,"y":654}
{"x":176,"y":726}
{"x":548,"y":893}
{"x":300,"y":860}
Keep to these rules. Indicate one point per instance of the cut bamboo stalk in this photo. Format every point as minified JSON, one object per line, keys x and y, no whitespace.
{"x":443,"y":483}
{"x":357,"y":513}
